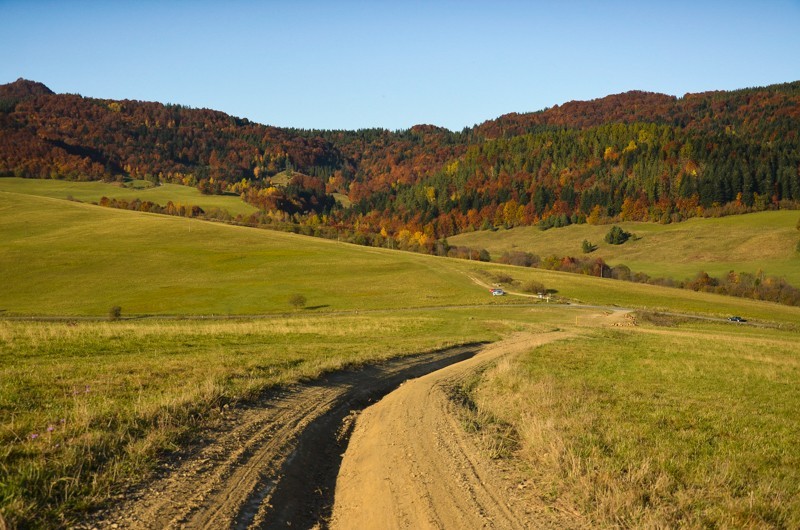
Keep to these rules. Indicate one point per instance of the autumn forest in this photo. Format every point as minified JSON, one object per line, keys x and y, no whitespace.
{"x":631,"y":156}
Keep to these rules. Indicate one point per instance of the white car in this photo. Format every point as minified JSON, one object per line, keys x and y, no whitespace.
{"x":498,"y":292}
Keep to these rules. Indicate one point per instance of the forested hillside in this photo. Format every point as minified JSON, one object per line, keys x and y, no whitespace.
{"x":632,"y":156}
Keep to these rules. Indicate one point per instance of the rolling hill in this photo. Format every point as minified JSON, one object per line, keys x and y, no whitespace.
{"x":628,"y":157}
{"x":90,"y":407}
{"x":764,"y":241}
{"x":64,"y":258}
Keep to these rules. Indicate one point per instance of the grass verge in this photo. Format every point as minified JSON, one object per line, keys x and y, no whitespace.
{"x":692,"y":426}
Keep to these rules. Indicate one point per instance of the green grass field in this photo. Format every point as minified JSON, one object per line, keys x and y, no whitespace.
{"x":94,"y":191}
{"x":590,"y":290}
{"x":128,"y":390}
{"x":694,"y":426}
{"x":66,"y":258}
{"x":745,"y":243}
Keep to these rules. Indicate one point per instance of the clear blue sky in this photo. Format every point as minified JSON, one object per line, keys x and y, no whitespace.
{"x":354,"y":64}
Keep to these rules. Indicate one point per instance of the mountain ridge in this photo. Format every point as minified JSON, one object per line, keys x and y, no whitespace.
{"x":635,"y":155}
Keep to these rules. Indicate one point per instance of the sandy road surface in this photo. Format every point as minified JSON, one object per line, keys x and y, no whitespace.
{"x":273,"y":464}
{"x":410,"y":464}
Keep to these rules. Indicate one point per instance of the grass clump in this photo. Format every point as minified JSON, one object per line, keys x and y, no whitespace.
{"x":498,"y":438}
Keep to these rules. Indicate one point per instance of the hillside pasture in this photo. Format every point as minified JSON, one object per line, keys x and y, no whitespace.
{"x":67,"y":258}
{"x":763,"y":241}
{"x":94,"y":191}
{"x":63,"y":258}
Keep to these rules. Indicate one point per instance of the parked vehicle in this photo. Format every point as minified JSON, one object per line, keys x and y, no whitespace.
{"x":736,"y":319}
{"x":498,"y":292}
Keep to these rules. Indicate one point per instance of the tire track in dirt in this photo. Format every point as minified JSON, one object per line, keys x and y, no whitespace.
{"x":276,"y":463}
{"x":411,"y":464}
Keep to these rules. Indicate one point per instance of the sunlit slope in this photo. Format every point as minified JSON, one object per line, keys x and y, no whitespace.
{"x":745,"y":243}
{"x":94,"y":191}
{"x":61,"y":257}
{"x":65,"y":258}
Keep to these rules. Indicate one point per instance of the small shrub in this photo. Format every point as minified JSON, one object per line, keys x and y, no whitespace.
{"x":297,"y":301}
{"x":502,"y":277}
{"x":621,"y":272}
{"x":114,"y":313}
{"x":588,"y":247}
{"x":533,"y":287}
{"x":617,"y":236}
{"x":520,"y":259}
{"x":660,"y":319}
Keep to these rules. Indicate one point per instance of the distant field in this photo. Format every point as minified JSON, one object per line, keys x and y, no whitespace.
{"x":592,"y":290}
{"x":67,"y":258}
{"x":343,"y":199}
{"x":744,"y":243}
{"x":94,"y":191}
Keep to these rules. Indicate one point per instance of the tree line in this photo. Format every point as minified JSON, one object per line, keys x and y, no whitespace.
{"x":636,"y":156}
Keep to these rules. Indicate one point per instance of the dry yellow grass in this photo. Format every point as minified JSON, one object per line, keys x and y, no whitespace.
{"x":694,"y":427}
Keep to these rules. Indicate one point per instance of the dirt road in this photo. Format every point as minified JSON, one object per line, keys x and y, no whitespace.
{"x":272,"y":464}
{"x":410,"y":463}
{"x":308,"y":457}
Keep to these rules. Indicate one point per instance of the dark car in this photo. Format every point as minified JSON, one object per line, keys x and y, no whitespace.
{"x":736,"y":319}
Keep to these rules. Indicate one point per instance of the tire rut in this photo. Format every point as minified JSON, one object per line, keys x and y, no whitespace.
{"x":412,"y":465}
{"x":276,"y":464}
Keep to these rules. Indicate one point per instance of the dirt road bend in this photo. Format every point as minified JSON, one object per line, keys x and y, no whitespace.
{"x":275,"y":462}
{"x":410,"y":464}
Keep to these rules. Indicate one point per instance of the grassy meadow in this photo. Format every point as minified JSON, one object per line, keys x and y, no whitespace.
{"x":94,"y":191}
{"x":66,"y":258}
{"x":87,"y":404}
{"x":581,"y":289}
{"x":63,"y":258}
{"x":694,"y":426}
{"x":745,"y":243}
